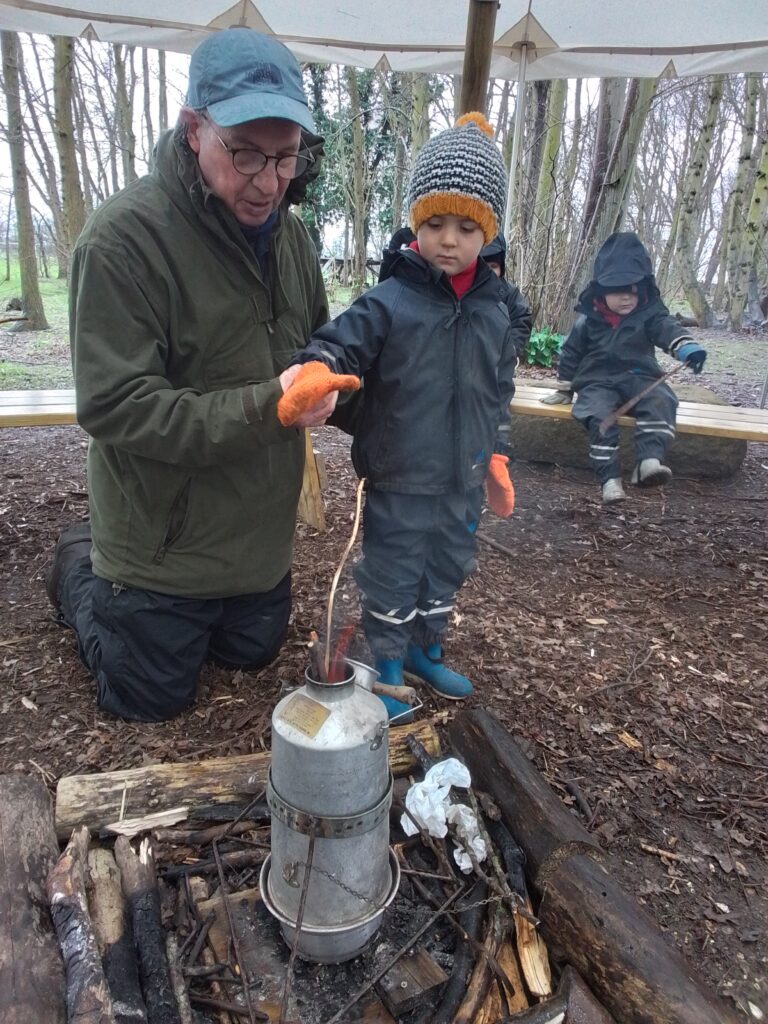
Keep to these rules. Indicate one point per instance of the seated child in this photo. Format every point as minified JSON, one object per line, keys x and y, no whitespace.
{"x":434,"y":345}
{"x":608,"y":358}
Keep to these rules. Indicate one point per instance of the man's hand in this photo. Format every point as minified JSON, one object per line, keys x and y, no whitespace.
{"x":310,"y":393}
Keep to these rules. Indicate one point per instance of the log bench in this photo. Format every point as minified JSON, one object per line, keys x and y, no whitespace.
{"x":711,"y":438}
{"x":56,"y":407}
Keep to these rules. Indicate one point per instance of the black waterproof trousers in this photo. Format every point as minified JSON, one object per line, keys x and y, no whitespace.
{"x":655,"y":417}
{"x":145,"y":650}
{"x":417,"y":551}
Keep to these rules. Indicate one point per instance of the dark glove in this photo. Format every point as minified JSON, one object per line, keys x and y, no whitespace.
{"x":498,"y":485}
{"x":692,"y":354}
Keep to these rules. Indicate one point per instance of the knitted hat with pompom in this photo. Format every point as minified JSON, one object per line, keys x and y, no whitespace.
{"x":460,"y":171}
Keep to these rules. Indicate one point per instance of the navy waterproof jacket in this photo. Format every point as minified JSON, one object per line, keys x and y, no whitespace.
{"x":438,"y":376}
{"x":597,"y":353}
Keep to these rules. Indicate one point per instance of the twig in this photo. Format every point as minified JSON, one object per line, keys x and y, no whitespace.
{"x":340,"y":1015}
{"x":177,"y":979}
{"x":337,"y":575}
{"x":235,"y":940}
{"x":299,"y":922}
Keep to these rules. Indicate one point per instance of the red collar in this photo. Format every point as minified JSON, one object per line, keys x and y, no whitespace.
{"x":461,"y":283}
{"x":611,"y":318}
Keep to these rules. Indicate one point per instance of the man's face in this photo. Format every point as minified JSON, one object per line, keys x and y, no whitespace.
{"x":251,"y":199}
{"x":449,"y":242}
{"x":622,"y":303}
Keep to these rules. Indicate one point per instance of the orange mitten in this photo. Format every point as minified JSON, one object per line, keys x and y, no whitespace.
{"x":498,"y":485}
{"x":313,"y":382}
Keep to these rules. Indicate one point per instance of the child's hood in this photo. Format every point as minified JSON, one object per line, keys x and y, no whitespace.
{"x":621,"y":260}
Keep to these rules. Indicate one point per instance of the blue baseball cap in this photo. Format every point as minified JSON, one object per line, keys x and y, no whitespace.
{"x":241,"y":75}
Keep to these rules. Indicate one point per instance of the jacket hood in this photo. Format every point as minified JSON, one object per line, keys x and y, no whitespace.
{"x":496,"y":251}
{"x":622,"y":259}
{"x":409,"y":265}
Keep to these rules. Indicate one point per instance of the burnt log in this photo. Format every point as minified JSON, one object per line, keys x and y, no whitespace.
{"x":585,"y":916}
{"x":114,"y":936}
{"x":139,"y":881}
{"x":31,"y":968}
{"x":88,"y":997}
{"x":103,"y":799}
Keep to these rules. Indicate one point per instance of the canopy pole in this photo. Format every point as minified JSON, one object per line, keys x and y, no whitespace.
{"x":516,"y":139}
{"x":478,"y":49}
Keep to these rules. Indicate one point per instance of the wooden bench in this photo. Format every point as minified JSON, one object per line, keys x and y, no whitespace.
{"x":692,"y":417}
{"x":56,"y":407}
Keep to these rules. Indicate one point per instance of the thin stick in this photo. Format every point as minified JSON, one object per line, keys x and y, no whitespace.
{"x":235,"y":941}
{"x":400,"y":953}
{"x":614,"y":416}
{"x":337,"y":574}
{"x":299,"y":922}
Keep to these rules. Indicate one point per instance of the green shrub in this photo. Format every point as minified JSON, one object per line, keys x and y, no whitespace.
{"x":543,"y":346}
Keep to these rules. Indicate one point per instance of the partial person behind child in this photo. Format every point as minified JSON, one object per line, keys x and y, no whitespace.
{"x":435,"y":346}
{"x":495,"y":255}
{"x":608,"y":358}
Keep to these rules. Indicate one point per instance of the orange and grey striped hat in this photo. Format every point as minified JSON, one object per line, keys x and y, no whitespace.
{"x":460,"y":171}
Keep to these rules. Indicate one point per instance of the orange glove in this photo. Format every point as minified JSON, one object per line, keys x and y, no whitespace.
{"x":499,"y":487}
{"x":313,"y":382}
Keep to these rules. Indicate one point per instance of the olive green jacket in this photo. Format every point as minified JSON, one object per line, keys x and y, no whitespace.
{"x":176,"y":346}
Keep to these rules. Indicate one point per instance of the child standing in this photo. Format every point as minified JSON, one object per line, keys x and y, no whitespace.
{"x":434,"y":346}
{"x":608,"y":358}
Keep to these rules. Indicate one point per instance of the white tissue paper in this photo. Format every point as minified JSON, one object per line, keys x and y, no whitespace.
{"x":429,"y":803}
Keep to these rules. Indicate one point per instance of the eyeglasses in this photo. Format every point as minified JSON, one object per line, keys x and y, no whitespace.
{"x":250,"y":162}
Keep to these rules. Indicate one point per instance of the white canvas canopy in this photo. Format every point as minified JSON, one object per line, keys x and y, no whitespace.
{"x":564,"y":38}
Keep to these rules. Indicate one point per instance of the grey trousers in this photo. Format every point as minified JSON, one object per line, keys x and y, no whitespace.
{"x":655,"y":417}
{"x":417,"y":551}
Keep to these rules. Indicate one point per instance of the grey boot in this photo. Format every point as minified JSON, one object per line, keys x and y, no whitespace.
{"x":73,"y":544}
{"x":613,"y":491}
{"x":651,"y":473}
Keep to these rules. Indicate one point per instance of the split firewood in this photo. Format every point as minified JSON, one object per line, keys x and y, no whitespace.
{"x":515,"y":998}
{"x":131,"y":827}
{"x":482,"y":976}
{"x":114,"y":936}
{"x":88,"y":996}
{"x":141,"y":892}
{"x":199,"y":891}
{"x":98,"y":800}
{"x":31,"y":968}
{"x":531,"y":948}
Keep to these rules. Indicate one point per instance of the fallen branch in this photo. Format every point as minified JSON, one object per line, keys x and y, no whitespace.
{"x":88,"y":997}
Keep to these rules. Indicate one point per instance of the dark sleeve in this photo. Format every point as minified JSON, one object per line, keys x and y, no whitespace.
{"x":521,"y":318}
{"x":666,"y":332}
{"x":352,"y":342}
{"x":506,"y":378}
{"x":572,"y":351}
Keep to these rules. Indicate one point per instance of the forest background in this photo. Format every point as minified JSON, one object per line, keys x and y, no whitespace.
{"x":684,"y":162}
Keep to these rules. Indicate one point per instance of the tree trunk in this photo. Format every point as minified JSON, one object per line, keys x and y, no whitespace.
{"x":419,"y":114}
{"x":162,"y":84}
{"x":31,"y":969}
{"x":73,"y":203}
{"x":756,"y":219}
{"x":358,"y":199}
{"x":735,"y":213}
{"x":126,"y":138}
{"x":150,"y":132}
{"x":690,"y":212}
{"x":30,"y":291}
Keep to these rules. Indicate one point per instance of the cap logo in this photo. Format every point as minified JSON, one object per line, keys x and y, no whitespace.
{"x":264,"y":74}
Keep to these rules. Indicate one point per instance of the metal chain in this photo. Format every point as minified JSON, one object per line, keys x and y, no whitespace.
{"x":380,"y":906}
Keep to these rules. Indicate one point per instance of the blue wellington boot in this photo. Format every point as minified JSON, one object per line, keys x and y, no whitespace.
{"x":391,"y":674}
{"x":428,"y":665}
